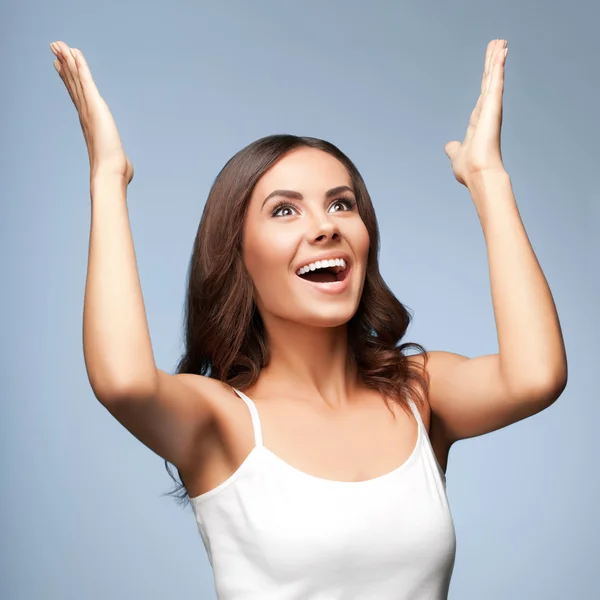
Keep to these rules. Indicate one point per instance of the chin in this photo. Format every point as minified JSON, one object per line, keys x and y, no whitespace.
{"x":335,"y":317}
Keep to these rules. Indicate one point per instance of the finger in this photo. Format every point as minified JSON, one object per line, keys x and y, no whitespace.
{"x":491,"y":112}
{"x":484,"y":84}
{"x":62,"y":68}
{"x":486,"y":66}
{"x":77,"y":73}
{"x":70,"y":59}
{"x":474,"y":119}
{"x":85,"y":76}
{"x":76,"y":70}
{"x":451,"y":148}
{"x":66,"y":71}
{"x":496,"y":83}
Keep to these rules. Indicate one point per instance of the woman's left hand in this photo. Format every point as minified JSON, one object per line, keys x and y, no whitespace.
{"x":480,"y":150}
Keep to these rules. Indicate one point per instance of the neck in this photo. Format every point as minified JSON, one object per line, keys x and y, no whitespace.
{"x":314,"y":362}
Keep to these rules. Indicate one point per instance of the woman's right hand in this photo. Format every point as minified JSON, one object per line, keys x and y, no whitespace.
{"x":102,"y":139}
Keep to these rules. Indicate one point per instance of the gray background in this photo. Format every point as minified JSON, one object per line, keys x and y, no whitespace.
{"x":191,"y":83}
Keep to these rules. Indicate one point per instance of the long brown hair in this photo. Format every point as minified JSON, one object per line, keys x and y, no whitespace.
{"x":224,"y":332}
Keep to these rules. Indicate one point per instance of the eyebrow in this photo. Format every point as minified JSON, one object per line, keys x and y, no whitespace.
{"x":298,"y":196}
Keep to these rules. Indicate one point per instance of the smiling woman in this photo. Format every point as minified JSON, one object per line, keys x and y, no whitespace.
{"x":319,"y":353}
{"x":311,"y":446}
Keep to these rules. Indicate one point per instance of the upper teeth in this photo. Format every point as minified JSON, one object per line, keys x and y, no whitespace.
{"x":323,"y":264}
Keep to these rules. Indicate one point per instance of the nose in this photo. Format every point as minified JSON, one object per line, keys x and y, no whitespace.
{"x":325,"y":229}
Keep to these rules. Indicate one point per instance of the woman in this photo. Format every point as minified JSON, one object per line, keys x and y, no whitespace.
{"x":311,"y":447}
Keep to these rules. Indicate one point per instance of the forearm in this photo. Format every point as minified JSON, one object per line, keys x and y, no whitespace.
{"x":116,"y":341}
{"x":531,"y":347}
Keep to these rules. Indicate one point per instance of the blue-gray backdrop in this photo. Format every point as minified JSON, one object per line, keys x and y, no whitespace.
{"x":189,"y":84}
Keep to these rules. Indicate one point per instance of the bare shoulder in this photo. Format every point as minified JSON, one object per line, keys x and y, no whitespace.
{"x":470,"y":397}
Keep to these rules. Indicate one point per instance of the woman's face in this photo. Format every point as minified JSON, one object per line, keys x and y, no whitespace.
{"x":318,"y":218}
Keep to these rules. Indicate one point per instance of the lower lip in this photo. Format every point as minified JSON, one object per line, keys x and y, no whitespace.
{"x":334,"y":287}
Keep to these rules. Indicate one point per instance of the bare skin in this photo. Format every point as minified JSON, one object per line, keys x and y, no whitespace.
{"x":358,"y":444}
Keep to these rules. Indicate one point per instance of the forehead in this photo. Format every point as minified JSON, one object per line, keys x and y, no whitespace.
{"x":305,"y":170}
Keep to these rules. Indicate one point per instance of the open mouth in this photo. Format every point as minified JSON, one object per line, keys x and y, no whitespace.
{"x":332,"y":279}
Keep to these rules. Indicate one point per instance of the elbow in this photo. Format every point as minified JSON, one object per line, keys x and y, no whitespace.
{"x":556,"y":382}
{"x":109,"y":392}
{"x":557,"y":386}
{"x":545,"y":391}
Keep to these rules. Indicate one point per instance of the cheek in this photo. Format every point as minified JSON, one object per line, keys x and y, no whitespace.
{"x":268,"y":259}
{"x":360,"y":240}
{"x":361,"y":247}
{"x":281,"y":243}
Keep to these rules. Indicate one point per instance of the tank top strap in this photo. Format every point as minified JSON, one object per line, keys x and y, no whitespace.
{"x":428,"y":445}
{"x":416,"y":413}
{"x":254,"y":414}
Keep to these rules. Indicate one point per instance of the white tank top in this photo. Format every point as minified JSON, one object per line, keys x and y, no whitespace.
{"x":273,"y":532}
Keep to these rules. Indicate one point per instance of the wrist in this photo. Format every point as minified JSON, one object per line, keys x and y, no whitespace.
{"x":490,"y":191}
{"x":107,"y":179}
{"x":483,"y":179}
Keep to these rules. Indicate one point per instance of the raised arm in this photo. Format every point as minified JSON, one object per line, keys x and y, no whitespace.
{"x":166,"y":412}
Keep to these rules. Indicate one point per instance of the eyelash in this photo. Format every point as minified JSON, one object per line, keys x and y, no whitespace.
{"x":350,"y":203}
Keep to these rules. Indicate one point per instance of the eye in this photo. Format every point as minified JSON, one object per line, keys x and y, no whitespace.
{"x":350,"y":203}
{"x":283,"y":204}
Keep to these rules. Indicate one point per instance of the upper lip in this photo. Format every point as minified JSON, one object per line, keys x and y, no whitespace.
{"x":324,"y":256}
